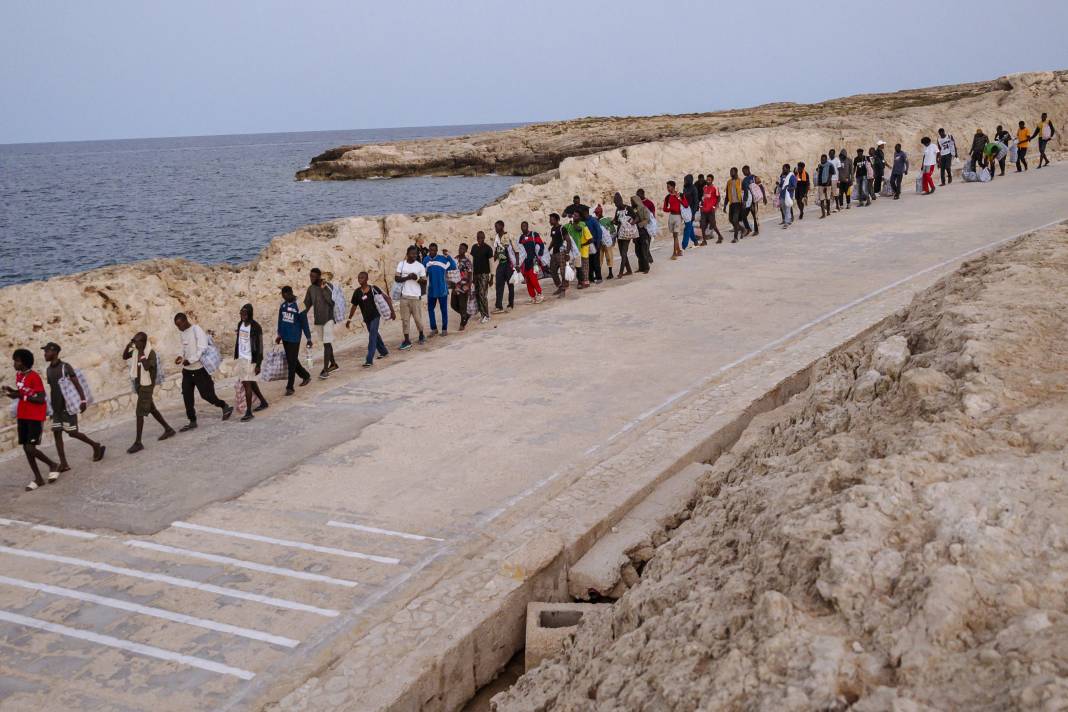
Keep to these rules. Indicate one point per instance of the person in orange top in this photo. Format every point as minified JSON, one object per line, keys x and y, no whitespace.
{"x":31,"y":412}
{"x":1023,"y":140}
{"x":734,"y":204}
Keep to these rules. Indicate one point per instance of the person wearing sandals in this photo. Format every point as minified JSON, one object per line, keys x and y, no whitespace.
{"x":62,"y":420}
{"x":31,"y":412}
{"x":144,"y":371}
{"x":248,"y":350}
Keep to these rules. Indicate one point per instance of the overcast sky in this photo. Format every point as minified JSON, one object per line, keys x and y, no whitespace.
{"x":72,"y":70}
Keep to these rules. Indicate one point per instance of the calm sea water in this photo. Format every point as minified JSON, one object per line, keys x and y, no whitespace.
{"x":69,"y":207}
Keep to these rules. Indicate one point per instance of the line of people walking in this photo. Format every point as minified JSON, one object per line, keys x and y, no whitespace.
{"x":429,"y":282}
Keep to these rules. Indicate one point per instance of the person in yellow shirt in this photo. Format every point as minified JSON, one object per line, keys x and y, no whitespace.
{"x":581,"y":236}
{"x":734,"y":204}
{"x":1044,"y":132}
{"x":1023,"y":140}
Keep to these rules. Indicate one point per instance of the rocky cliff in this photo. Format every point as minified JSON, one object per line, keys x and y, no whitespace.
{"x":93,"y":314}
{"x":537,"y":148}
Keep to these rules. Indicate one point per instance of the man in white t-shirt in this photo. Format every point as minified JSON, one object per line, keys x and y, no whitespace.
{"x":411,"y":275}
{"x":930,"y":160}
{"x":834,"y":160}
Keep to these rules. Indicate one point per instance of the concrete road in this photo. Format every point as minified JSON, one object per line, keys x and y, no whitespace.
{"x":173,"y":579}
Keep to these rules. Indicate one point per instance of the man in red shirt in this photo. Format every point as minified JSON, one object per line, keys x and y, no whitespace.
{"x":673,"y":203}
{"x":709,"y":203}
{"x":31,"y":412}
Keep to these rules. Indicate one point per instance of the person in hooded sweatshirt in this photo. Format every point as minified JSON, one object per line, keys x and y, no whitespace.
{"x":248,"y":350}
{"x":693,"y":200}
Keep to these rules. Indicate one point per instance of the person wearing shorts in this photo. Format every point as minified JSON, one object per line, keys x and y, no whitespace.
{"x":320,"y":302}
{"x":31,"y":411}
{"x":144,"y":370}
{"x":248,"y":350}
{"x":62,"y":420}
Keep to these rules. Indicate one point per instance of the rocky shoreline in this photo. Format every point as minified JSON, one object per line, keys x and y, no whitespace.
{"x":530,"y":150}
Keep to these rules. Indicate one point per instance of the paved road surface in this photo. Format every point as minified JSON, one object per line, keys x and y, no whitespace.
{"x":170,"y":580}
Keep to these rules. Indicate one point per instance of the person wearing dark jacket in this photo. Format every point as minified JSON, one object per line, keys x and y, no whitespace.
{"x":979,"y":143}
{"x":292,"y":323}
{"x":248,"y":350}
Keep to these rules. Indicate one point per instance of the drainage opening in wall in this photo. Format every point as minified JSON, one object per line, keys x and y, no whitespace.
{"x":559,"y":619}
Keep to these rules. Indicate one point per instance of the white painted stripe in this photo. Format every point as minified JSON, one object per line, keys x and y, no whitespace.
{"x":151,"y":611}
{"x":242,"y":564}
{"x":172,"y":581}
{"x":140,"y":649}
{"x":50,"y":529}
{"x":376,"y":530}
{"x":287,"y":543}
{"x":65,"y":532}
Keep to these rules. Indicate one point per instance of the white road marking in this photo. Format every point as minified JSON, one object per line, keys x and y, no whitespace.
{"x":287,"y":543}
{"x":376,"y":530}
{"x":140,"y":649}
{"x":242,"y":564}
{"x":50,"y":529}
{"x":151,"y":611}
{"x":172,"y":580}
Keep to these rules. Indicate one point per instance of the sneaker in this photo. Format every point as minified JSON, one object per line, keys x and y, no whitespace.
{"x":228,"y":410}
{"x":483,"y":320}
{"x":367,"y":364}
{"x":305,"y":381}
{"x":323,"y":374}
{"x":290,"y":391}
{"x":422,"y":339}
{"x":381,"y":356}
{"x":191,"y":425}
{"x":136,"y":447}
{"x":539,"y":299}
{"x":405,"y":345}
{"x":247,"y":417}
{"x":262,"y":406}
{"x":444,"y":332}
{"x":167,"y":434}
{"x":497,"y":310}
{"x":433,"y":333}
{"x":333,"y":367}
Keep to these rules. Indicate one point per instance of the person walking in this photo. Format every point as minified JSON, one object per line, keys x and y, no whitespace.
{"x":642,"y":220}
{"x":839,"y":199}
{"x":754,"y":191}
{"x":709,"y":205}
{"x":292,"y":323}
{"x":532,"y":248}
{"x":862,"y":173}
{"x":787,"y":190}
{"x":652,"y":229}
{"x":558,"y":256}
{"x":734,"y":203}
{"x":595,"y":247}
{"x":947,"y":151}
{"x":1005,"y":138}
{"x":899,"y":169}
{"x":607,"y":255}
{"x":63,"y":421}
{"x":845,"y":179}
{"x":1023,"y":142}
{"x":437,"y":291}
{"x":690,"y":209}
{"x":369,"y":299}
{"x":582,"y":238}
{"x":979,"y":142}
{"x":993,"y":152}
{"x":320,"y":301}
{"x":673,"y":203}
{"x":801,"y":190}
{"x":248,"y":352}
{"x":144,"y":372}
{"x":462,"y":291}
{"x":411,"y":275}
{"x":930,"y":160}
{"x":825,"y":175}
{"x":481,"y":256}
{"x":879,"y":166}
{"x":194,"y":375}
{"x":1045,"y":132}
{"x":626,"y":226}
{"x":30,"y":414}
{"x":506,"y":258}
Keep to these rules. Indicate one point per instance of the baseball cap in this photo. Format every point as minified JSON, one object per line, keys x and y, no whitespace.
{"x":50,"y":345}
{"x":880,"y":142}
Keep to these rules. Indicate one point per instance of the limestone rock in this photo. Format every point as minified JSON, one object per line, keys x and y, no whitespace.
{"x":891,"y":356}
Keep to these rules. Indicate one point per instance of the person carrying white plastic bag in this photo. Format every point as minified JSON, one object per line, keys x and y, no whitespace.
{"x":785,"y":189}
{"x":70,"y":397}
{"x":194,"y":375}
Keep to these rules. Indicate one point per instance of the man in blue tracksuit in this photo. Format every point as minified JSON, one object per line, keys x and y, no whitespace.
{"x":437,"y":287}
{"x":292,"y":323}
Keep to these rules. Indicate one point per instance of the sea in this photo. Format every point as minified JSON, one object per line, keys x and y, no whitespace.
{"x":73,"y":206}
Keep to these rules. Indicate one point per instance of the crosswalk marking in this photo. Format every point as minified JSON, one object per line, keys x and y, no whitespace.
{"x":151,"y":611}
{"x":173,"y":581}
{"x":242,"y":564}
{"x":139,"y":648}
{"x":50,"y":529}
{"x":287,"y":543}
{"x":376,"y":530}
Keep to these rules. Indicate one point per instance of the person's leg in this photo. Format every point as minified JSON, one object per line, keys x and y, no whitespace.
{"x":499,"y":282}
{"x":1001,"y":165}
{"x":98,"y":449}
{"x":584,"y":273}
{"x":292,"y":361}
{"x":31,"y":456}
{"x":57,"y":435}
{"x":1021,"y":160}
{"x":417,"y":317}
{"x":206,"y":388}
{"x":405,"y":318}
{"x":715,"y":229}
{"x":608,"y":255}
{"x":187,"y":396}
{"x":247,"y":385}
{"x":624,"y":258}
{"x":431,"y":302}
{"x":443,"y":304}
{"x":167,"y":429}
{"x":372,"y":339}
{"x":595,"y":266}
{"x":137,"y":445}
{"x":640,"y":248}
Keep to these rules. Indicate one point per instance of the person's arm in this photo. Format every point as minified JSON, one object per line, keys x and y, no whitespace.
{"x":352,"y":313}
{"x":128,"y":351}
{"x":200,"y":341}
{"x":302,"y":319}
{"x":278,"y":328}
{"x":307,"y":298}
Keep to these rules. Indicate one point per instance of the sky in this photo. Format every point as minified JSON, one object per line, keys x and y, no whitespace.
{"x":76,"y":70}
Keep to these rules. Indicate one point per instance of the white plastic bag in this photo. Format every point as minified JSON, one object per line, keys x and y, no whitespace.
{"x":337,"y":294}
{"x":516,"y":278}
{"x":381,"y":304}
{"x":984,"y":175}
{"x":569,"y":273}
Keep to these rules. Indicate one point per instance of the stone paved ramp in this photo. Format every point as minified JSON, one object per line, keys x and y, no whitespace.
{"x":361,"y":571}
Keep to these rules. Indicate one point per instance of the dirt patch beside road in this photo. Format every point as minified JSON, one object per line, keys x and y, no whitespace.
{"x":895,"y":537}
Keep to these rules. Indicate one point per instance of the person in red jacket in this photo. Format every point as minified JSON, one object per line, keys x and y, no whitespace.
{"x":709,"y":203}
{"x":673,"y":205}
{"x":533,"y":248}
{"x":31,"y":412}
